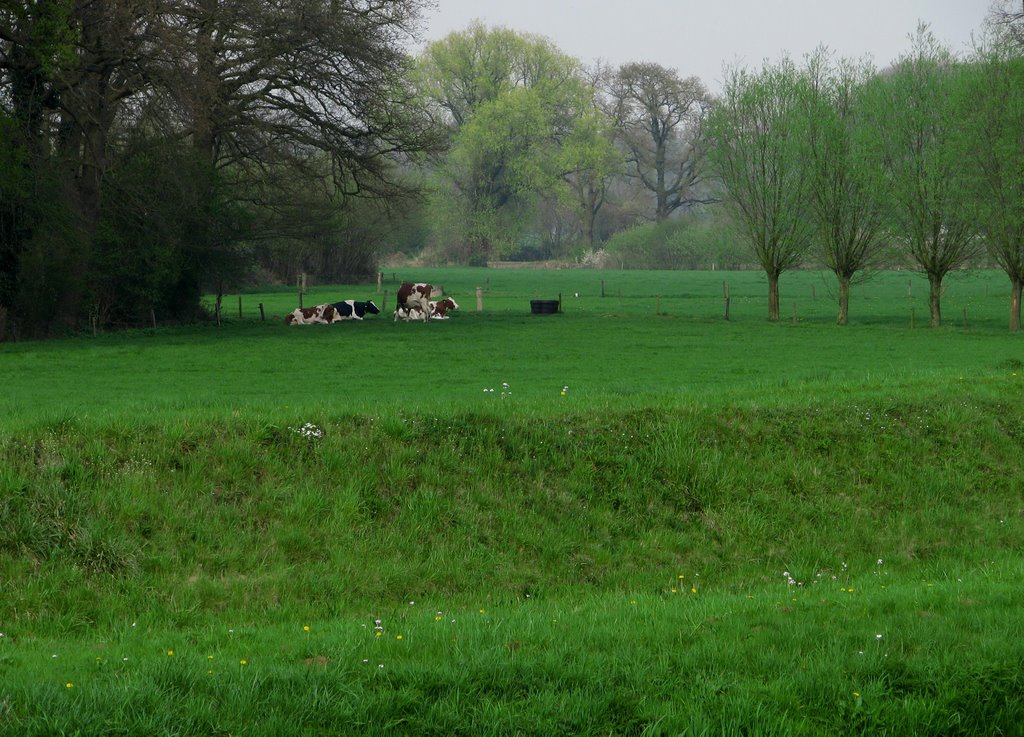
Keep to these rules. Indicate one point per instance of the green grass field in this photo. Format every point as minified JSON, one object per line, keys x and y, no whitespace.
{"x":716,"y":528}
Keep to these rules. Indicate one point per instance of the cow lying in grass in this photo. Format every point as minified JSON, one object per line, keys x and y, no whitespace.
{"x":350,"y":309}
{"x":410,"y":312}
{"x":439,"y":309}
{"x":436,"y":310}
{"x":319,"y":315}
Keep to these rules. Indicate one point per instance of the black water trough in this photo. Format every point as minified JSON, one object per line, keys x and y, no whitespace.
{"x":544,"y":306}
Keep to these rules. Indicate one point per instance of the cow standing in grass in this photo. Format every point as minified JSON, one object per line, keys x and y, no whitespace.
{"x":412,"y":297}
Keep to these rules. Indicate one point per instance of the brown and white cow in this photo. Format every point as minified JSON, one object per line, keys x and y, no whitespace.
{"x":439,"y":309}
{"x":321,"y":314}
{"x":415,"y":294}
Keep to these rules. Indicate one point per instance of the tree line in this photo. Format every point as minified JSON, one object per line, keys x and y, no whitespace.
{"x":151,"y":150}
{"x":154,"y":149}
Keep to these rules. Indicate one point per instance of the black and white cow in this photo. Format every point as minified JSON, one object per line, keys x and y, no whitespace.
{"x":351,"y":309}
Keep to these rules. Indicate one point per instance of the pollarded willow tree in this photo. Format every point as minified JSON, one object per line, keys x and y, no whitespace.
{"x":992,"y":108}
{"x":759,"y":150}
{"x":914,"y":133}
{"x":847,"y":194}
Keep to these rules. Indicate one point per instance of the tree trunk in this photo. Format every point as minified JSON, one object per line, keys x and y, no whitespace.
{"x":844,"y":299}
{"x":773,"y":297}
{"x":934,"y":298}
{"x":588,"y":231}
{"x":661,"y":209}
{"x":1015,"y":293}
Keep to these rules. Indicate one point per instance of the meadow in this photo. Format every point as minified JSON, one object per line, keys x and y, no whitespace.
{"x":633,"y":517}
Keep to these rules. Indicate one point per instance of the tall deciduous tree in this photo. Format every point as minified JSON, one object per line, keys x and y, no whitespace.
{"x":760,"y":152}
{"x":847,"y":195}
{"x":1007,"y":16}
{"x":296,"y":84}
{"x":661,"y":117}
{"x":271,"y":98}
{"x":913,"y":132}
{"x":516,"y":110}
{"x":590,"y":158}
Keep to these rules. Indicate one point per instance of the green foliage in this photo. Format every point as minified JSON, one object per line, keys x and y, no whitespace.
{"x":760,"y":151}
{"x":41,"y":244}
{"x":991,"y":105}
{"x":141,"y":174}
{"x":521,"y":123}
{"x":701,"y":240}
{"x":167,"y":220}
{"x":910,"y":132}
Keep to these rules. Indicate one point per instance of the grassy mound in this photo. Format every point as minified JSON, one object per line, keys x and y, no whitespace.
{"x":840,"y":567}
{"x":193,"y":517}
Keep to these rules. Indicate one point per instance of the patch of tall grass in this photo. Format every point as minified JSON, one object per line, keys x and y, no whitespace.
{"x":239,"y":514}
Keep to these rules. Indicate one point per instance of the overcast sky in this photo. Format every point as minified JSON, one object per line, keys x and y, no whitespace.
{"x":698,"y":37}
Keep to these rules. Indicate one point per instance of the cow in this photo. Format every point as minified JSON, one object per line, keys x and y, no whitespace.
{"x":350,"y":309}
{"x":439,"y":309}
{"x":321,"y":314}
{"x":415,"y":294}
{"x":410,"y":312}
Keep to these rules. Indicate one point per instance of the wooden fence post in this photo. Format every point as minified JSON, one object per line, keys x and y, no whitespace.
{"x":479,"y":299}
{"x":602,"y":287}
{"x":263,"y":316}
{"x":239,"y":306}
{"x":725,"y":290}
